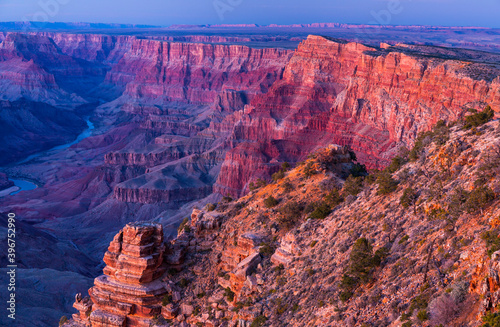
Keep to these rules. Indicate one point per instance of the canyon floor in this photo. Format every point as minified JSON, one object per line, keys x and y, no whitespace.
{"x":166,"y":120}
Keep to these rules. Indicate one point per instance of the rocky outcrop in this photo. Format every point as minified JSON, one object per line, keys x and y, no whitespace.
{"x":130,"y":292}
{"x":287,"y":250}
{"x":371,"y":99}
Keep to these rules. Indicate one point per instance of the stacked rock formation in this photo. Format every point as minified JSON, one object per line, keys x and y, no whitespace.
{"x":130,"y":291}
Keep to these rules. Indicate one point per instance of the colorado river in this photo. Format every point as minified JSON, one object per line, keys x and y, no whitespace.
{"x":86,"y":133}
{"x":24,"y":185}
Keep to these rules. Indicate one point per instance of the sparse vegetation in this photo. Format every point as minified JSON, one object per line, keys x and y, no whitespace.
{"x":290,"y":214}
{"x":278,"y":175}
{"x":270,"y":202}
{"x":321,"y":210}
{"x":422,"y":315}
{"x":259,"y":321}
{"x":396,"y":163}
{"x":492,"y":240}
{"x":210,"y":207}
{"x":479,"y":198}
{"x":440,"y":134}
{"x":360,"y":268}
{"x":477,"y":119}
{"x":258,"y":184}
{"x":266,"y":249}
{"x":334,"y":198}
{"x":491,"y":320}
{"x":353,"y":185}
{"x":166,"y":300}
{"x":229,"y":294}
{"x":184,"y":226}
{"x":183,"y":282}
{"x":386,"y":184}
{"x":63,"y":320}
{"x":409,"y":198}
{"x":309,"y":170}
{"x":287,"y":186}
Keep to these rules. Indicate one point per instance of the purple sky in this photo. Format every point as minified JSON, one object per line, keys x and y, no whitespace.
{"x":168,"y":12}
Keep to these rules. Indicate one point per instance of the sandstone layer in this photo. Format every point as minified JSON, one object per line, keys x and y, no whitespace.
{"x":130,"y":292}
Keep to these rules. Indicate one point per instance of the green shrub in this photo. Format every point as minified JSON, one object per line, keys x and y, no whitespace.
{"x":361,"y":260}
{"x":404,"y":239}
{"x":439,"y":134}
{"x":478,"y":118}
{"x":278,"y":175}
{"x":321,"y":211}
{"x":210,"y":207}
{"x":457,"y":201}
{"x":409,"y":198}
{"x":421,"y":142}
{"x":396,"y":163}
{"x":309,"y":170}
{"x":287,"y":186}
{"x":419,"y":302}
{"x":372,"y":178}
{"x":266,"y":249}
{"x":492,"y":241}
{"x":491,"y":320}
{"x":380,"y":255}
{"x":358,"y":170}
{"x":279,"y":268}
{"x":360,"y":268}
{"x":479,"y":198}
{"x":422,"y":315}
{"x":386,"y":184}
{"x":334,"y":198}
{"x":258,"y":321}
{"x":166,"y":300}
{"x":229,"y":294}
{"x":183,"y":282}
{"x":257,"y":184}
{"x":279,"y":306}
{"x":353,"y":185}
{"x":285,"y":166}
{"x":270,"y":202}
{"x":290,"y":214}
{"x":183,"y":225}
{"x":63,"y":320}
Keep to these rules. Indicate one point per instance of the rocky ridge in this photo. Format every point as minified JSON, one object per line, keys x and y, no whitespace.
{"x":432,"y":260}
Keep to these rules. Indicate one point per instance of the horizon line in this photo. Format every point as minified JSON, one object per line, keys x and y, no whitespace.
{"x":253,"y":25}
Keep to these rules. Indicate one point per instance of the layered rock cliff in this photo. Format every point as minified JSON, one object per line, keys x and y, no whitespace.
{"x":415,"y":244}
{"x":130,"y":292}
{"x":348,"y":93}
{"x":195,"y":73}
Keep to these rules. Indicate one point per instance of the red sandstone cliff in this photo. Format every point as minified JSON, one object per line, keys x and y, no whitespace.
{"x":350,"y":94}
{"x":195,"y":72}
